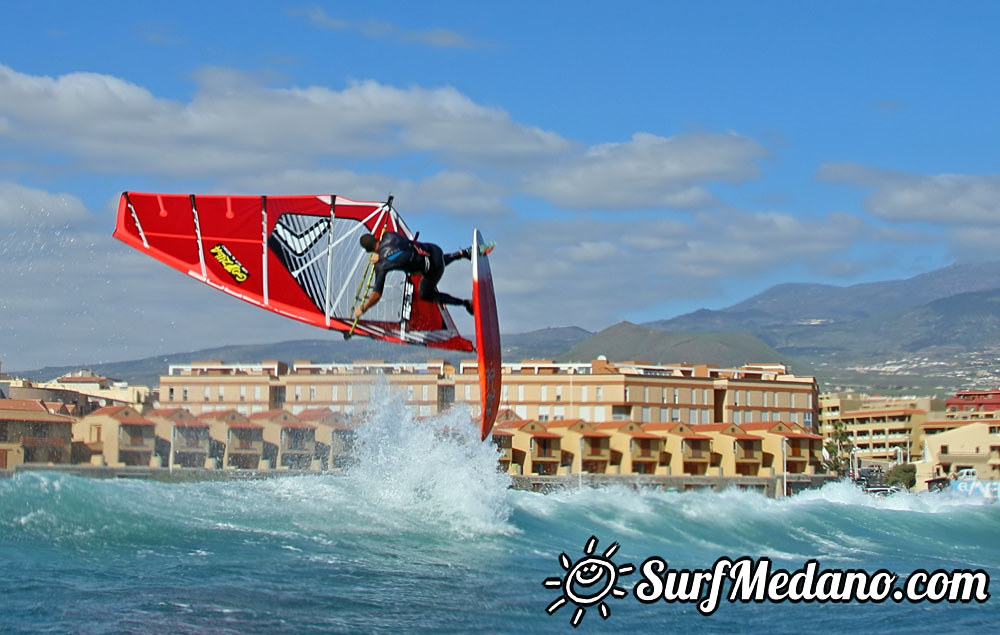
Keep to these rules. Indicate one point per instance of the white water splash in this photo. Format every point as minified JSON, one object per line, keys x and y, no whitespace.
{"x":411,"y":469}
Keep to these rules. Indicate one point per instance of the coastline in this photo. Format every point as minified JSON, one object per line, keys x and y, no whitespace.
{"x":768,"y":486}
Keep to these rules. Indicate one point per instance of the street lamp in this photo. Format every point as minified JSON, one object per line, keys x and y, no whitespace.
{"x":784,"y":467}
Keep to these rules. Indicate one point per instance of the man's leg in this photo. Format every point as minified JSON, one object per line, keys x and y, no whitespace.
{"x":458,"y":255}
{"x":428,"y":284}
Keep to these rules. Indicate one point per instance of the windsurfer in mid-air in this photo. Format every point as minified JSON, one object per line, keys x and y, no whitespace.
{"x":395,"y":252}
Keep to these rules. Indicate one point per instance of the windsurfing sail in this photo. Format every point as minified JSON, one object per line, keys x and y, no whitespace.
{"x":488,"y":351}
{"x":297,"y":256}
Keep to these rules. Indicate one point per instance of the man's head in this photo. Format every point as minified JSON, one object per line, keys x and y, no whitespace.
{"x":368,"y":243}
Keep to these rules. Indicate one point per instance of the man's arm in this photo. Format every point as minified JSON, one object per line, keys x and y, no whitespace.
{"x":373,"y":298}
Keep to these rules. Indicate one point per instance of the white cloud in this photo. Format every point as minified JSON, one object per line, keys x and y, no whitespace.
{"x":596,"y":271}
{"x":26,"y":207}
{"x":234,"y":125}
{"x":944,"y":199}
{"x":649,"y":172}
{"x":379,"y":30}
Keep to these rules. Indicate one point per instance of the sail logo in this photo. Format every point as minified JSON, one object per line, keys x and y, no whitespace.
{"x":588,"y":581}
{"x":229,"y":262}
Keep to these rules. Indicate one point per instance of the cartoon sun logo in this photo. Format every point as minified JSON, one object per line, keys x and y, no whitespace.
{"x":588,"y":581}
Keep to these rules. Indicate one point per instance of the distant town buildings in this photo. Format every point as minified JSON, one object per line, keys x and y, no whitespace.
{"x":599,"y":417}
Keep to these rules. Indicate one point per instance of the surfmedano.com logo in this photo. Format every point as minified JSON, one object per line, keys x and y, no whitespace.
{"x":594,"y":577}
{"x":588,"y":581}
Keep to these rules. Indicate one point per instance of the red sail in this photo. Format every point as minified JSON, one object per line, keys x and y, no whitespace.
{"x":295,"y":255}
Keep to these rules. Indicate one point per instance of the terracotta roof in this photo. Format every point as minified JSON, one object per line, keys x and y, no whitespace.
{"x":191,"y":423}
{"x":244,"y":425}
{"x":595,"y":435}
{"x":745,"y":437}
{"x":135,"y":421}
{"x":22,"y":404}
{"x":562,"y":423}
{"x":497,"y":432}
{"x":695,"y":437}
{"x":108,"y":410}
{"x":545,"y":434}
{"x":711,"y":427}
{"x":643,"y":435}
{"x":661,"y":426}
{"x":297,"y":425}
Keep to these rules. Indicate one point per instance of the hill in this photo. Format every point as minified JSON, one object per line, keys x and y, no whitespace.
{"x":955,"y":310}
{"x":549,"y":342}
{"x":627,"y":341}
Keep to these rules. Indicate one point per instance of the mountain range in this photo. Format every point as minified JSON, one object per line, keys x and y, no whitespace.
{"x":815,"y":329}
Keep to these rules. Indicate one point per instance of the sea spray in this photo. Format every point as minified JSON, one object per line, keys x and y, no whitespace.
{"x":427,"y":469}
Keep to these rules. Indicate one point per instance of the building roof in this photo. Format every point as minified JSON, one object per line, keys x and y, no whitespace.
{"x":29,"y":410}
{"x":744,"y":437}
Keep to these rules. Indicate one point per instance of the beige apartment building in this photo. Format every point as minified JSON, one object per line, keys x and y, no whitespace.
{"x":204,"y":387}
{"x":891,"y":430}
{"x":541,"y":390}
{"x":601,"y":391}
{"x":116,"y":436}
{"x":975,"y":445}
{"x":30,"y":433}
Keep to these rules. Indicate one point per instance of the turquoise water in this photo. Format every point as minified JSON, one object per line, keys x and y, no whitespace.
{"x":421,"y":535}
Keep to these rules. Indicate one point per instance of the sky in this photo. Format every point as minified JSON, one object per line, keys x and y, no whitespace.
{"x":633,"y":160}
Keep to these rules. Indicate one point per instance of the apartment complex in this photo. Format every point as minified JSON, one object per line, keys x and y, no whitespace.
{"x":32,"y":433}
{"x":763,"y":449}
{"x":916,"y":430}
{"x":596,"y":392}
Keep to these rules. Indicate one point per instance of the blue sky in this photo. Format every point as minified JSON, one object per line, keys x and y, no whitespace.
{"x":634,"y":160}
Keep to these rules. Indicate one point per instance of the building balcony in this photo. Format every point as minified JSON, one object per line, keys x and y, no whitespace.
{"x":300,"y":447}
{"x":35,"y":442}
{"x":696,"y":455}
{"x":132,"y":444}
{"x":550,"y":454}
{"x":254,"y":447}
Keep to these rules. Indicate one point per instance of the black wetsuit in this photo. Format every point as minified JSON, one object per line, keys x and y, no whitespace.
{"x":398,"y":253}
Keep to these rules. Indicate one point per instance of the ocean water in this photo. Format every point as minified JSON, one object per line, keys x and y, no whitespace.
{"x":423,"y":535}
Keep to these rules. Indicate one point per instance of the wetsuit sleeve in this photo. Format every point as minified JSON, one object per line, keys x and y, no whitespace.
{"x":378,"y":285}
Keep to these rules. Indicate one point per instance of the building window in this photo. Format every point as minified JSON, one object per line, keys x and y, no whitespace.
{"x":208,"y":393}
{"x":620,"y":413}
{"x":222,"y":393}
{"x":298,"y":393}
{"x":583,"y":393}
{"x":184,"y":393}
{"x":520,"y":392}
{"x":599,"y":396}
{"x":545,"y":394}
{"x":559,"y":393}
{"x":424,"y":392}
{"x":170,"y":394}
{"x":676,"y":395}
{"x":256,"y":393}
{"x":243,"y":393}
